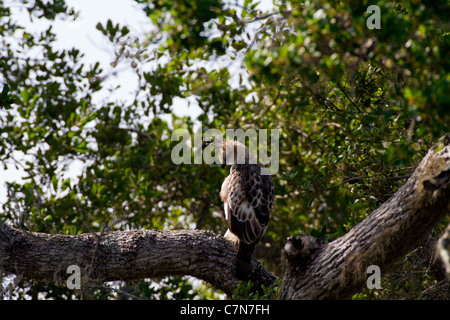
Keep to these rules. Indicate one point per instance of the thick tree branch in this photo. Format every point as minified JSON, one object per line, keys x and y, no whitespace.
{"x":315,"y":270}
{"x":127,"y":255}
{"x":338,"y":269}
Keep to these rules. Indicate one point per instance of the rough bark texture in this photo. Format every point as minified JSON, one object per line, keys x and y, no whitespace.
{"x":338,"y":269}
{"x":315,"y":270}
{"x":126,"y":255}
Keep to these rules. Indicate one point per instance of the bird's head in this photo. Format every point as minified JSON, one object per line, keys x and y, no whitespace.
{"x":217,"y":142}
{"x":229,"y":151}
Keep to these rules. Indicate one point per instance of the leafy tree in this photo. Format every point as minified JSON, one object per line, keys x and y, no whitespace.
{"x":358,"y":109}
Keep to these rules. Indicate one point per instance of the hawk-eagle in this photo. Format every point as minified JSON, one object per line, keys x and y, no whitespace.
{"x":247,"y":195}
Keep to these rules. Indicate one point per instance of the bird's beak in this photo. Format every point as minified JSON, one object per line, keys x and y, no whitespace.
{"x":205,"y":144}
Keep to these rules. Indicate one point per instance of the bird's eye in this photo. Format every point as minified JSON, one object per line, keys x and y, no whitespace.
{"x":206,"y":143}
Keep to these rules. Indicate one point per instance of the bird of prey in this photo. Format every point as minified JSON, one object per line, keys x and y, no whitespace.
{"x":247,"y":195}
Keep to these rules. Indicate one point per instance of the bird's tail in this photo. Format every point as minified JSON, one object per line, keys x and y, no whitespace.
{"x":243,"y":264}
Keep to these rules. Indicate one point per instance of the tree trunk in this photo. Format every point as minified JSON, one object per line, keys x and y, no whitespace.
{"x":338,"y":270}
{"x":315,"y":270}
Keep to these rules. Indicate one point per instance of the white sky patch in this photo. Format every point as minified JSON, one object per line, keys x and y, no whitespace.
{"x":82,"y":34}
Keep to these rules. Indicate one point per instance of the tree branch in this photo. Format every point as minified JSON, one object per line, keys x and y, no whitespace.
{"x":124,"y":255}
{"x":337,"y":270}
{"x":315,"y":270}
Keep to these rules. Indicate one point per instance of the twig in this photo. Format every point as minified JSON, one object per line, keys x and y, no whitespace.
{"x":348,"y":98}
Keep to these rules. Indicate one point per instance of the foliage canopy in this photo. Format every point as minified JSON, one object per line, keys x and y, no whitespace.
{"x":358,"y":108}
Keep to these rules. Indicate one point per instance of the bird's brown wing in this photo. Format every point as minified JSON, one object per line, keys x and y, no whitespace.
{"x":249,"y":199}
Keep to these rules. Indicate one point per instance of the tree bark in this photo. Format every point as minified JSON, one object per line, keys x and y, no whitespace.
{"x":126,"y":255}
{"x":315,"y":270}
{"x":338,"y":270}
